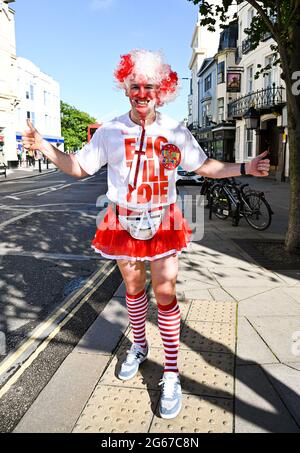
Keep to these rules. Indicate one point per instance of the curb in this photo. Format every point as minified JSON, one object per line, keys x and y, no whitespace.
{"x":30,"y":176}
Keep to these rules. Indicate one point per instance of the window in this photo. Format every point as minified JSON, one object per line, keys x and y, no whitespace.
{"x":271,"y":75}
{"x":31,"y":92}
{"x":221,"y":72}
{"x":250,"y":79}
{"x":28,"y":115}
{"x":249,"y":133}
{"x":27,"y":95}
{"x":33,"y":118}
{"x":251,"y":14}
{"x":207,"y":83}
{"x":220,"y":110}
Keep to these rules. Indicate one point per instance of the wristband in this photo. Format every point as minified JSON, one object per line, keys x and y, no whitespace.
{"x":242,"y":169}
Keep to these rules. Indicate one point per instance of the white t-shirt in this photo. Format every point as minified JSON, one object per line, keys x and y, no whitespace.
{"x":115,"y":143}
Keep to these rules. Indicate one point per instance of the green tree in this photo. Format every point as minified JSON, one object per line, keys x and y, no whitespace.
{"x":74,"y":125}
{"x":281,"y":18}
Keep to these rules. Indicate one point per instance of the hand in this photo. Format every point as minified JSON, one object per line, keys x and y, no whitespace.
{"x":32,"y":139}
{"x":257,"y":166}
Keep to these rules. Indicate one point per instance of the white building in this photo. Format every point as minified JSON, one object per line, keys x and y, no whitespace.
{"x":8,"y":88}
{"x":39,"y":96}
{"x":266,"y":94}
{"x":204,"y":44}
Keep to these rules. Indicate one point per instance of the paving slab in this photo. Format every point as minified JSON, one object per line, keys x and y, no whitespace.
{"x":291,"y":277}
{"x":250,"y":347}
{"x":280,"y":334}
{"x":206,"y":373}
{"x":292,"y":291}
{"x":246,"y":292}
{"x":286,"y":381}
{"x":198,"y":415}
{"x":104,"y":334}
{"x":271,"y":303}
{"x":232,"y":277}
{"x":220,"y":295}
{"x":293,"y":365}
{"x":117,"y":410}
{"x":258,"y":408}
{"x":202,"y":373}
{"x":61,"y":402}
{"x":148,"y":377}
{"x":208,"y":336}
{"x":212,"y":311}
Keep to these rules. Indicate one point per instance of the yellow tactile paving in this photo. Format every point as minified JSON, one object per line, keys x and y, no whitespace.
{"x":198,"y":415}
{"x":206,"y":363}
{"x":212,"y":311}
{"x":208,"y":336}
{"x":206,"y":373}
{"x":117,"y":410}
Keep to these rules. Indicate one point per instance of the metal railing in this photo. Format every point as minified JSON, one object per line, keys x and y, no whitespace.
{"x":260,"y":99}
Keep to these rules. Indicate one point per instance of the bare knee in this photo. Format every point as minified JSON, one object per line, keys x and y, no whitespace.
{"x":164,"y":292}
{"x":135,"y":287}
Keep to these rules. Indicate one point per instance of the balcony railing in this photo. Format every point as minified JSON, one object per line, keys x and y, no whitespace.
{"x":260,"y":99}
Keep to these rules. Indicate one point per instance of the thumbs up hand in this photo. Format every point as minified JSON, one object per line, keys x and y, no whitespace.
{"x":259,"y":166}
{"x":31,"y":138}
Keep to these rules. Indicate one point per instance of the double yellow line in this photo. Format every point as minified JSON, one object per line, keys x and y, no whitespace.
{"x":13,"y":358}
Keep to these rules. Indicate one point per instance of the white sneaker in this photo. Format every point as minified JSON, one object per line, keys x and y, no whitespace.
{"x":170,"y":400}
{"x":136,"y":355}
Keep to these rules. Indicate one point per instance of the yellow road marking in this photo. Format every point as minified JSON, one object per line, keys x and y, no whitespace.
{"x":9,"y":362}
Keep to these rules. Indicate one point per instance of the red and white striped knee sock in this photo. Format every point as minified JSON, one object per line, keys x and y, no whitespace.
{"x":137,"y":307}
{"x":169,"y":327}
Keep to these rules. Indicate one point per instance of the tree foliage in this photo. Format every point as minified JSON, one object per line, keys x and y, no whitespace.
{"x":74,"y":125}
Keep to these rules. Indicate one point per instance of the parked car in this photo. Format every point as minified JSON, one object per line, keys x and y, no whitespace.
{"x":188,"y":177}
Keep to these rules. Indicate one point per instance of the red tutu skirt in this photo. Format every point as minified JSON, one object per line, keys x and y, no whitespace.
{"x":114,"y":242}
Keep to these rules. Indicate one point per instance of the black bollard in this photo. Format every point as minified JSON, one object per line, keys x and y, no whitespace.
{"x":40,"y":166}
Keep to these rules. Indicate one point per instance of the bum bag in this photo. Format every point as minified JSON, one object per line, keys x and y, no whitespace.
{"x":141,"y":224}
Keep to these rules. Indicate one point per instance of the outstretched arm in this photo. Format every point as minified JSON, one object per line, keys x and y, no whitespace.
{"x":67,"y":163}
{"x":217,"y":169}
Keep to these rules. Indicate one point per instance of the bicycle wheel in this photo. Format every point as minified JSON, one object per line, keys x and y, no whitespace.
{"x":257,"y":211}
{"x":220,"y":202}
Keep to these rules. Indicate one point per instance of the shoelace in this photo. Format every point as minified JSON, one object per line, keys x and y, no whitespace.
{"x":168,"y":387}
{"x":133,"y":354}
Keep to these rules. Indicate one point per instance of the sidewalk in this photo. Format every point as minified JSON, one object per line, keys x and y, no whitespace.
{"x":27,"y":172}
{"x":239,"y":360}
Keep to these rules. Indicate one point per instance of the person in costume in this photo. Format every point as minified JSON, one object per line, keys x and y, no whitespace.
{"x":142,"y":150}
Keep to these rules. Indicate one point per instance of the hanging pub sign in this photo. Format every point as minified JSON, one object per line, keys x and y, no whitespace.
{"x":233,"y":82}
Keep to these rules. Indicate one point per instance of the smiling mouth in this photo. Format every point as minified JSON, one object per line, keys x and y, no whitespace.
{"x":141,"y":103}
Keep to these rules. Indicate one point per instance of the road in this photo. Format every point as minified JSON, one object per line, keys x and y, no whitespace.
{"x":46,"y":226}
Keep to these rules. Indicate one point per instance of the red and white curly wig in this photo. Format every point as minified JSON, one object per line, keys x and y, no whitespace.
{"x":148,"y":67}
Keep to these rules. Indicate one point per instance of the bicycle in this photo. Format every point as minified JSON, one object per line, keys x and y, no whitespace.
{"x":229,"y":198}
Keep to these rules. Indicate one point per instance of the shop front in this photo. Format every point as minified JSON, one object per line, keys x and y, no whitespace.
{"x":218,"y":142}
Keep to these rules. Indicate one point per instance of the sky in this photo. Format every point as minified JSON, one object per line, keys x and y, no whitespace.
{"x":79,"y":43}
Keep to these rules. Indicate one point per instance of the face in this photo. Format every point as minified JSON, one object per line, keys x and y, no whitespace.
{"x":143,"y":99}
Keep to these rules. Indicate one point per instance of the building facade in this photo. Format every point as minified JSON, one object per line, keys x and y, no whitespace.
{"x":204,"y":44}
{"x":224,"y":134}
{"x":39,"y":96}
{"x":266,"y":94}
{"x":8,"y":83}
{"x":219,"y":84}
